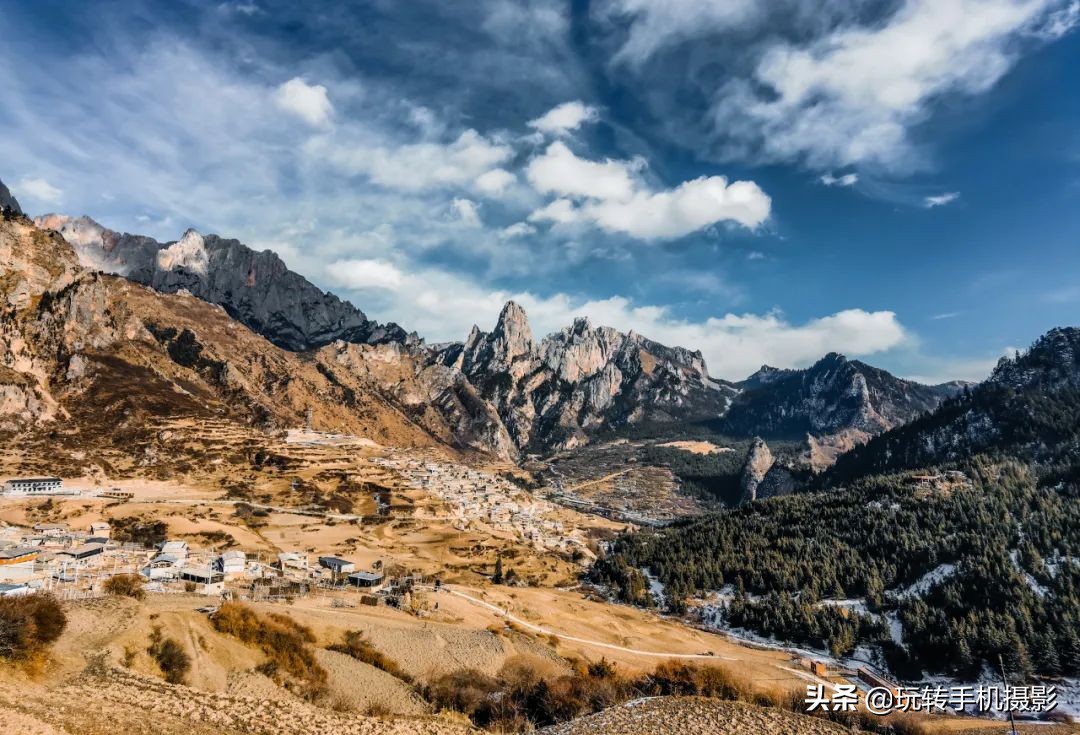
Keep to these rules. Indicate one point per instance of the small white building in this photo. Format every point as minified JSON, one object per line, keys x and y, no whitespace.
{"x":34,"y":486}
{"x":232,"y":562}
{"x":292,"y":560}
{"x":178,"y":549}
{"x":52,"y":530}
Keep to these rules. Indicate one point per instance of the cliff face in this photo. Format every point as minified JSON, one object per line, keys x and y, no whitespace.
{"x":758,"y":463}
{"x":256,"y":288}
{"x":552,"y":394}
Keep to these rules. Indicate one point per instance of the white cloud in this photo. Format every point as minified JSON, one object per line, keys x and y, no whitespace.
{"x":416,"y":166}
{"x":851,"y":96}
{"x":518,"y":229}
{"x":560,"y":211}
{"x":38,"y":190}
{"x":941,"y":200}
{"x":309,"y":102}
{"x":755,"y":255}
{"x":362,"y":274}
{"x":845,"y":180}
{"x":655,"y":24}
{"x":495,"y":181}
{"x":564,"y":118}
{"x":442,"y":306}
{"x":466,"y":211}
{"x":687,"y":208}
{"x":617,"y":201}
{"x":945,"y":315}
{"x":558,"y":170}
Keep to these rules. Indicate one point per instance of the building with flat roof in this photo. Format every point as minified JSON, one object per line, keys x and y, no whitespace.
{"x":84,"y":552}
{"x":366,"y":580}
{"x":34,"y":486}
{"x":336,"y":565}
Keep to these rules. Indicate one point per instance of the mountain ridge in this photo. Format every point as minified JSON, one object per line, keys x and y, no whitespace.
{"x":256,"y":288}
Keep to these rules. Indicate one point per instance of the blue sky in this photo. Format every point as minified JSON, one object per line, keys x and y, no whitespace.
{"x":764,"y":181}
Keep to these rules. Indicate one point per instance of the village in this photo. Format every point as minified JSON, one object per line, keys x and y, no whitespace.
{"x":76,"y":562}
{"x":473,"y":497}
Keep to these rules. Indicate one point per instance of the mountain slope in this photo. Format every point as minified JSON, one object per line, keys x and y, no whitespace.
{"x":552,"y":394}
{"x":7,"y":200}
{"x":833,"y":396}
{"x":98,"y":359}
{"x":1028,"y":408}
{"x":255,"y":288}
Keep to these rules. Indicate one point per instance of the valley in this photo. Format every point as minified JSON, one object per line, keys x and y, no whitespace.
{"x":589,"y":513}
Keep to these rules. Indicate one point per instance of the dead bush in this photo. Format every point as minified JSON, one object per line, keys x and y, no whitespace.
{"x":171,"y":657}
{"x":125,"y":585}
{"x":287,"y":645}
{"x":29,"y":624}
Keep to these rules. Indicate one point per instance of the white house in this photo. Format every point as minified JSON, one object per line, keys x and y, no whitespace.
{"x":232,"y":562}
{"x":34,"y":486}
{"x":17,"y":563}
{"x":178,"y":549}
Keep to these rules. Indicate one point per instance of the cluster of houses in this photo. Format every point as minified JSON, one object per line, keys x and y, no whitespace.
{"x":57,"y":557}
{"x":473,"y":496}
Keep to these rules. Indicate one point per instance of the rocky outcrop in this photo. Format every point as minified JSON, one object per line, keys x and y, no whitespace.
{"x":758,"y":463}
{"x":256,"y":288}
{"x":7,"y":201}
{"x":555,"y":393}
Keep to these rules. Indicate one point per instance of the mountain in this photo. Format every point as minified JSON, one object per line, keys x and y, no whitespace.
{"x":7,"y":200}
{"x":95,"y":362}
{"x":1028,"y":408}
{"x":834,"y":396}
{"x":553,"y":393}
{"x":256,"y":288}
{"x":504,"y":391}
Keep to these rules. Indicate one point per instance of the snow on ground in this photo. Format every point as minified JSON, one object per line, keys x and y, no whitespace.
{"x":656,"y":587}
{"x":928,"y":581}
{"x":855,"y":605}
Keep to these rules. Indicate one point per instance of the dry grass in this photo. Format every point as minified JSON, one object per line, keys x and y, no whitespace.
{"x":287,"y":644}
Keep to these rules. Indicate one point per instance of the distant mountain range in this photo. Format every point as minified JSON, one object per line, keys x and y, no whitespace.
{"x":503,"y":392}
{"x":1028,"y":408}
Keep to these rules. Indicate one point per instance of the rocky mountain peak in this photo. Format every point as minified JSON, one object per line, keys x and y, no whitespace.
{"x":512,"y":333}
{"x":7,"y":201}
{"x":1053,"y":361}
{"x":758,"y":463}
{"x":256,"y":288}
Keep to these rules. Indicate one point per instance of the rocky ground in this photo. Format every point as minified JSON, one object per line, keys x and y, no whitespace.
{"x":107,"y":700}
{"x":694,"y":715}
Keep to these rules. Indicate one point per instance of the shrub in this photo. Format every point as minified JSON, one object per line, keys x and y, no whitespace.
{"x":171,"y":657}
{"x":679,"y":678}
{"x":29,"y":624}
{"x":286,"y":643}
{"x":125,"y":585}
{"x":356,"y":645}
{"x":137,"y":531}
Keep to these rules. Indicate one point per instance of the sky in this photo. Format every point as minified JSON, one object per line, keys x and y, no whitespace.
{"x":762,"y":180}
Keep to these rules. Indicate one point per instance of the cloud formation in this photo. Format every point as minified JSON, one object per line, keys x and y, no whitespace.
{"x":38,"y":190}
{"x":309,"y":102}
{"x":844,"y":180}
{"x":613,"y":197}
{"x":852,"y":95}
{"x":940,"y":200}
{"x":442,"y":307}
{"x":566,"y":117}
